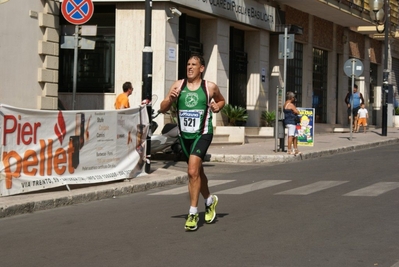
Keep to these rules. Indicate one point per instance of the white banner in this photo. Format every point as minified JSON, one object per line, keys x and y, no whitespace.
{"x":45,"y":149}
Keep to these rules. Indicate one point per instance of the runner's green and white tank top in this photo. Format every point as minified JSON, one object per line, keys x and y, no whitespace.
{"x":193,"y":111}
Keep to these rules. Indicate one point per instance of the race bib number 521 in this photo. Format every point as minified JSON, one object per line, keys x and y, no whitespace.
{"x":190,"y":120}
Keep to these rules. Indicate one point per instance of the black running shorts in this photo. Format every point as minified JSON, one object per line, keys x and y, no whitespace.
{"x":198,"y":146}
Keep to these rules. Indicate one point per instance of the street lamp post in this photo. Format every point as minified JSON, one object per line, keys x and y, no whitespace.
{"x":382,"y":17}
{"x":146,"y":89}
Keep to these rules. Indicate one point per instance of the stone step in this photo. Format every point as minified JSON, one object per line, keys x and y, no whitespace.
{"x":348,"y":129}
{"x":256,"y":138}
{"x":220,"y":138}
{"x":262,"y":131}
{"x":341,"y":130}
{"x":227,"y":143}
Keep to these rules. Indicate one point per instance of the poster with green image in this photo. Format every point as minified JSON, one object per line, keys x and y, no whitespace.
{"x":306,"y":127}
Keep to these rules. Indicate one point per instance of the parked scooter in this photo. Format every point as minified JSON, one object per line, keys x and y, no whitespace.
{"x":168,"y":140}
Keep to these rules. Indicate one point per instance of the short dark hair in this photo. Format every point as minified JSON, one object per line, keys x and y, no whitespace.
{"x":199,"y":57}
{"x":126,"y":86}
{"x":355,"y":86}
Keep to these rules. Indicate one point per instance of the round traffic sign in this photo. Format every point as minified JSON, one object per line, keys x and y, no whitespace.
{"x":77,"y":11}
{"x":353,"y":66}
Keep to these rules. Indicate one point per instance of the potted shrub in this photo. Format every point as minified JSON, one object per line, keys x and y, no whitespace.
{"x":268,"y":118}
{"x":236,"y":115}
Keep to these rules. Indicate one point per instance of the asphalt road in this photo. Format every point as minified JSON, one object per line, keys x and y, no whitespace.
{"x":332,"y":211}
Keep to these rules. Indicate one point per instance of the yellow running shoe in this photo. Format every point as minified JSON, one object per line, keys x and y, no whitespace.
{"x":210,"y":211}
{"x":191,"y":223}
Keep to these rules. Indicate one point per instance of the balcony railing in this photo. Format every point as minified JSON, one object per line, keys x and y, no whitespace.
{"x":364,"y":7}
{"x":361,"y":5}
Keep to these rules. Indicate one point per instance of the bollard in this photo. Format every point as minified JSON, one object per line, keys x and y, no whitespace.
{"x":281,"y":135}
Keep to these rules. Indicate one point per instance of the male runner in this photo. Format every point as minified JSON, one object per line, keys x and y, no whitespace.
{"x":196,"y":99}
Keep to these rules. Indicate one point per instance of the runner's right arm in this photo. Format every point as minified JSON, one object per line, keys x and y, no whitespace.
{"x":171,"y":97}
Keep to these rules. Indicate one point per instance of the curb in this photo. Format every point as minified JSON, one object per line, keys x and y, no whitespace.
{"x":28,"y":203}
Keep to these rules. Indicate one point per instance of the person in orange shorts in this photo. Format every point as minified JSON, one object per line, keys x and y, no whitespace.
{"x":362,"y":116}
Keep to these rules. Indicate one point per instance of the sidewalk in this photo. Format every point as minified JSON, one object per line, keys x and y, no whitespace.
{"x":324,"y":144}
{"x":262,"y":152}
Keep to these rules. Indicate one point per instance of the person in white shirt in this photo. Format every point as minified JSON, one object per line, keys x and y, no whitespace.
{"x":362,"y":116}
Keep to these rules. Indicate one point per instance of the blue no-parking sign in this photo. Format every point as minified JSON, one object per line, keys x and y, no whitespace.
{"x":77,"y":12}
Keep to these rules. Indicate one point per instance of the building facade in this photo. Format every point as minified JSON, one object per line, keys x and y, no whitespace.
{"x":239,"y":40}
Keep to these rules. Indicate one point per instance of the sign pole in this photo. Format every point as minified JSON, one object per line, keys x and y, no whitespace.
{"x":285,"y":68}
{"x":75,"y":66}
{"x":284,"y":89}
{"x":352,"y":85}
{"x":353,"y":68}
{"x":77,"y":14}
{"x":286,"y":48}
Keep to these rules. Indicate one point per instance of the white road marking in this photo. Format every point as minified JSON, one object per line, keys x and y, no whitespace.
{"x":251,"y":187}
{"x":369,"y":191}
{"x":183,"y":189}
{"x":312,"y":188}
{"x":374,"y":190}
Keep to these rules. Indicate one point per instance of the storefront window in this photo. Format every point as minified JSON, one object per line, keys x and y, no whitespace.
{"x":294,"y":73}
{"x":320,"y":68}
{"x":95,"y":68}
{"x":189,"y":42}
{"x":238,"y":69}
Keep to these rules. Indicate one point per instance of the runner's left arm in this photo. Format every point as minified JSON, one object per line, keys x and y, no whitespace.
{"x":218,"y":100}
